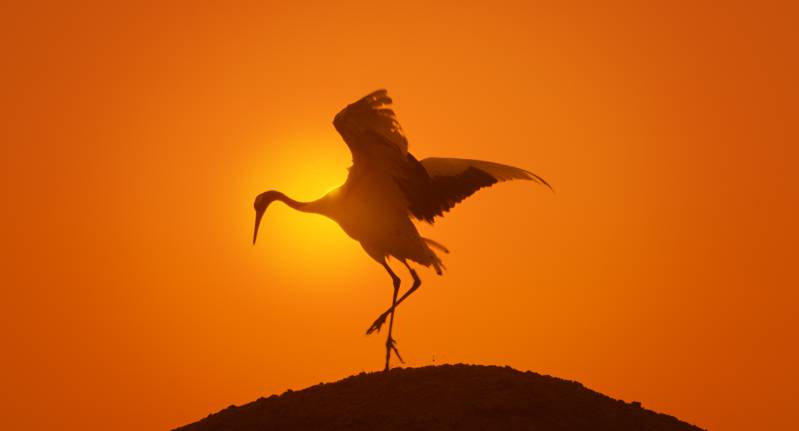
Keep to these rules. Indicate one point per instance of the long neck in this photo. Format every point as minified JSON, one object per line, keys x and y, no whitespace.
{"x":308,"y":207}
{"x":263,"y":201}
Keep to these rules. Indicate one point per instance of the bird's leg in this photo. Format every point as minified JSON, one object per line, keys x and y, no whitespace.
{"x":390,"y":343}
{"x":378,"y":323}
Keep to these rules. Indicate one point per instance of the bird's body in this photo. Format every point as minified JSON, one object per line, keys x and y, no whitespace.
{"x":387,"y":187}
{"x":370,"y":213}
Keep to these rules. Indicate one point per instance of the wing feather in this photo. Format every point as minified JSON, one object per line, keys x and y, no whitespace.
{"x":371,"y":130}
{"x":450,"y":181}
{"x":447,"y":167}
{"x":431,"y":187}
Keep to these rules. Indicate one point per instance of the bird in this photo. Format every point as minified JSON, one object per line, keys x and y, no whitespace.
{"x":387,"y":189}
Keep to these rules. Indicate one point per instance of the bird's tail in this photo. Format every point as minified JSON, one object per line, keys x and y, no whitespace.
{"x":435,"y":244}
{"x":437,"y":263}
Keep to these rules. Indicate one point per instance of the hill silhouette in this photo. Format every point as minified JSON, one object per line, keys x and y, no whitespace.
{"x":446,"y":397}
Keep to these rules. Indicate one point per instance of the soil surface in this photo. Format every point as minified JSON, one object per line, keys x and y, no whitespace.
{"x":446,"y":397}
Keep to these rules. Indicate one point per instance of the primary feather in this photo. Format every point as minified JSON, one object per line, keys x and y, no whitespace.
{"x":441,"y":183}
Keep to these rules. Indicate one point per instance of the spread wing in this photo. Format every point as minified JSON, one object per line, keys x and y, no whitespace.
{"x":453,"y":180}
{"x":380,"y":155}
{"x":371,"y":130}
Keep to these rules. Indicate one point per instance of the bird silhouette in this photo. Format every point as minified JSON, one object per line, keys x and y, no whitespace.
{"x":386,"y":188}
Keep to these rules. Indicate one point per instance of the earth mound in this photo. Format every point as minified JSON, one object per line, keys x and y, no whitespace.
{"x":446,"y":397}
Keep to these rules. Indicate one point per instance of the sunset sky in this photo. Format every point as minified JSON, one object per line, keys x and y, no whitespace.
{"x":134,"y":140}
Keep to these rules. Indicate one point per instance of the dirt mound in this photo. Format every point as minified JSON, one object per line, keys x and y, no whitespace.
{"x":447,"y":397}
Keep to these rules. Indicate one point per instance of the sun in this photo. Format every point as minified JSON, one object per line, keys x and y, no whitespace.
{"x":305,"y":166}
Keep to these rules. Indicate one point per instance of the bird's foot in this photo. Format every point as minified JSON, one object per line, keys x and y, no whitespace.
{"x":391,"y":344}
{"x":378,"y":323}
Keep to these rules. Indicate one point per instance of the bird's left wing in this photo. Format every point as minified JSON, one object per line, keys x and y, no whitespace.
{"x":372,"y":132}
{"x":453,"y":180}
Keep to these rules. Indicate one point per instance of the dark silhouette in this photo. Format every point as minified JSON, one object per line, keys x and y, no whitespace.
{"x":386,"y":185}
{"x":448,"y":397}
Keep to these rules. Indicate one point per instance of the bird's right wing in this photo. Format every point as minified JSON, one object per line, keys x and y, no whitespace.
{"x":453,"y":180}
{"x":372,"y":132}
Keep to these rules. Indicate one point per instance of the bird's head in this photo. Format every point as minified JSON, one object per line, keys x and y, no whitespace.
{"x":262,"y":201}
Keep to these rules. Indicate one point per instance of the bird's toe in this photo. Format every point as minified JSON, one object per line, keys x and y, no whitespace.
{"x":391,"y":344}
{"x":377,"y":324}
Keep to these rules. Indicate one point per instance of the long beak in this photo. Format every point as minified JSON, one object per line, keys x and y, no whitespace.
{"x":258,"y":215}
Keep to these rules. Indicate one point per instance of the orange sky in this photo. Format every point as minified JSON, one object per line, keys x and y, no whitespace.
{"x":135,"y":139}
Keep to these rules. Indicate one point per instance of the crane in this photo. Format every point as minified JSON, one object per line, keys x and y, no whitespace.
{"x":386,"y":188}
